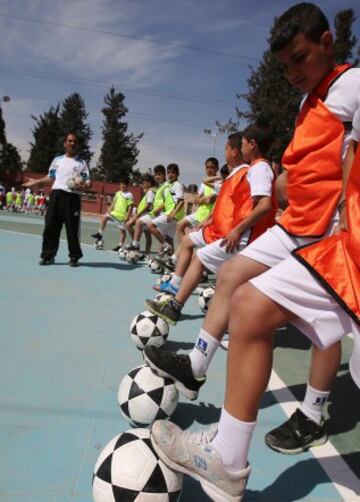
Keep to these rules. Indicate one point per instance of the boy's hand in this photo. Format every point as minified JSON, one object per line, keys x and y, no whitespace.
{"x":170,"y":217}
{"x":29,"y":183}
{"x":231,"y":241}
{"x":342,"y":226}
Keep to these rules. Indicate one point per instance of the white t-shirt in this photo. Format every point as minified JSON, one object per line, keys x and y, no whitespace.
{"x":64,"y":168}
{"x":176,"y":190}
{"x":150,"y":197}
{"x":343,"y":101}
{"x":355,"y":134}
{"x":260,"y":177}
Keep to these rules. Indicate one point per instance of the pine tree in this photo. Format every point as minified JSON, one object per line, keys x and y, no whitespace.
{"x":10,"y":160}
{"x":119,"y":152}
{"x":345,"y":41}
{"x":46,"y":146}
{"x":73,"y":118}
{"x":269,"y":94}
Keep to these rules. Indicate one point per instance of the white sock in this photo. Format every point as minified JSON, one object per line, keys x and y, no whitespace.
{"x":176,"y":281}
{"x":135,"y":243}
{"x":100,"y":231}
{"x":202,"y":353}
{"x":232,"y":441}
{"x":314,"y":403}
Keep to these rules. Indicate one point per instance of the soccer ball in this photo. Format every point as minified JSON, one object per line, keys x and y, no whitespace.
{"x":72,"y":182}
{"x":205,"y":299}
{"x":148,"y":329}
{"x":129,"y":469}
{"x":132,"y":256}
{"x":99,"y":244}
{"x":155,"y":267}
{"x":122,"y":254}
{"x":164,"y":278}
{"x":144,"y":397}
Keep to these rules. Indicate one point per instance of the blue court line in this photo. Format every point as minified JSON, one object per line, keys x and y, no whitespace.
{"x":65,"y":348}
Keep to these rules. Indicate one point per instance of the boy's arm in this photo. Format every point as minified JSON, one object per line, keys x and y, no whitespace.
{"x":177,"y":208}
{"x":31,"y":182}
{"x":280,"y":190}
{"x":263,"y":206}
{"x":144,"y":210}
{"x":347,"y":164}
{"x":129,"y":211}
{"x":210,"y":180}
{"x":159,"y":209}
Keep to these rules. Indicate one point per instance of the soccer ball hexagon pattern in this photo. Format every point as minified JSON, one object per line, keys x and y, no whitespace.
{"x":205,"y":298}
{"x":148,"y":329}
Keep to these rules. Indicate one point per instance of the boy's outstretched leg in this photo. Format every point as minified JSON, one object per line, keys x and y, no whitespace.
{"x":189,"y":370}
{"x":224,"y":451}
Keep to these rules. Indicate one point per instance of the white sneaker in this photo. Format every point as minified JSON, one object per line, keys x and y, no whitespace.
{"x":224,"y":344}
{"x":191,"y":453}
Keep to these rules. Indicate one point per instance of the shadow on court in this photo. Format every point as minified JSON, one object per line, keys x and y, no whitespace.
{"x":311,"y":475}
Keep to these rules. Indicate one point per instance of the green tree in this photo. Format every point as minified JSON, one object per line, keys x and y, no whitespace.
{"x":345,"y":41}
{"x":119,"y":149}
{"x":46,"y":145}
{"x":269,"y":93}
{"x":73,"y":118}
{"x":10,"y":160}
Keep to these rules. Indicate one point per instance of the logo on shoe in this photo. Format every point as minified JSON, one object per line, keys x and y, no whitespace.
{"x":200,"y":463}
{"x":202,"y":345}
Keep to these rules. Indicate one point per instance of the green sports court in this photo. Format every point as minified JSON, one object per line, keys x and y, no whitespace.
{"x":65,"y":347}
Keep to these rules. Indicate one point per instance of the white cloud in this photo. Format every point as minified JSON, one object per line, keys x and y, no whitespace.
{"x":77,"y":52}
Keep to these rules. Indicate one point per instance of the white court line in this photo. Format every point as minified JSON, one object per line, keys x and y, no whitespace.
{"x":344,"y":479}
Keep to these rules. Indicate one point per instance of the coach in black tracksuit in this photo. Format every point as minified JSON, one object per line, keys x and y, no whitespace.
{"x":64,"y":204}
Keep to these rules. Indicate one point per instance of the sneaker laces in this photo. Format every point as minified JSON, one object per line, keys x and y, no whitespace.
{"x":201,"y":437}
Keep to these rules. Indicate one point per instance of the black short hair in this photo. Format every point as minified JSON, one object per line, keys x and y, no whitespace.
{"x":70,"y":133}
{"x":235,"y":140}
{"x":174,"y":168}
{"x":224,"y":171}
{"x":159,"y":169}
{"x":304,"y":18}
{"x":149,"y":178}
{"x":213,"y":160}
{"x":261,"y":133}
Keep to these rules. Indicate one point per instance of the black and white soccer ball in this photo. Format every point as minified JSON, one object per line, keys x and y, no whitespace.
{"x":132,"y":256}
{"x":155,"y":267}
{"x":144,"y":397}
{"x":148,"y":329}
{"x":99,"y":244}
{"x":164,"y":278}
{"x":128,"y":469}
{"x":122,"y":254}
{"x":205,"y":298}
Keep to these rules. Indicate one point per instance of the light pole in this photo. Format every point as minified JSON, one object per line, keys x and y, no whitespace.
{"x":214,"y":134}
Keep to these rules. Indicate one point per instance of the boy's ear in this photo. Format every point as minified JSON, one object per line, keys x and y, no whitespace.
{"x":327,"y":41}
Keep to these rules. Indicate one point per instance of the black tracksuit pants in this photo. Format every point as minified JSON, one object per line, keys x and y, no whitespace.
{"x":64,"y":208}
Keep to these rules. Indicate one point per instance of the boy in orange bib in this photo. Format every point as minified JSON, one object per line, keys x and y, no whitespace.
{"x":302,"y":42}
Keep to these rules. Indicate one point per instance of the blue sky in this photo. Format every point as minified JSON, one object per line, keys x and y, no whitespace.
{"x":174,"y":88}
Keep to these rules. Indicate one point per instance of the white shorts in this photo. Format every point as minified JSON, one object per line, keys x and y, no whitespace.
{"x":197,"y":238}
{"x":146,"y":218}
{"x":275,"y":245}
{"x":120,"y":224}
{"x":213,"y":255}
{"x":167,"y":228}
{"x":318,"y":315}
{"x":192,"y":220}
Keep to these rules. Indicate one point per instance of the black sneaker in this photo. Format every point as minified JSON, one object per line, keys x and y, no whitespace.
{"x":164,"y":309}
{"x":116,"y":249}
{"x":296,"y":435}
{"x":131,"y":247}
{"x":166,"y":263}
{"x":45,"y":261}
{"x":74,"y":262}
{"x":97,"y":236}
{"x":168,"y":364}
